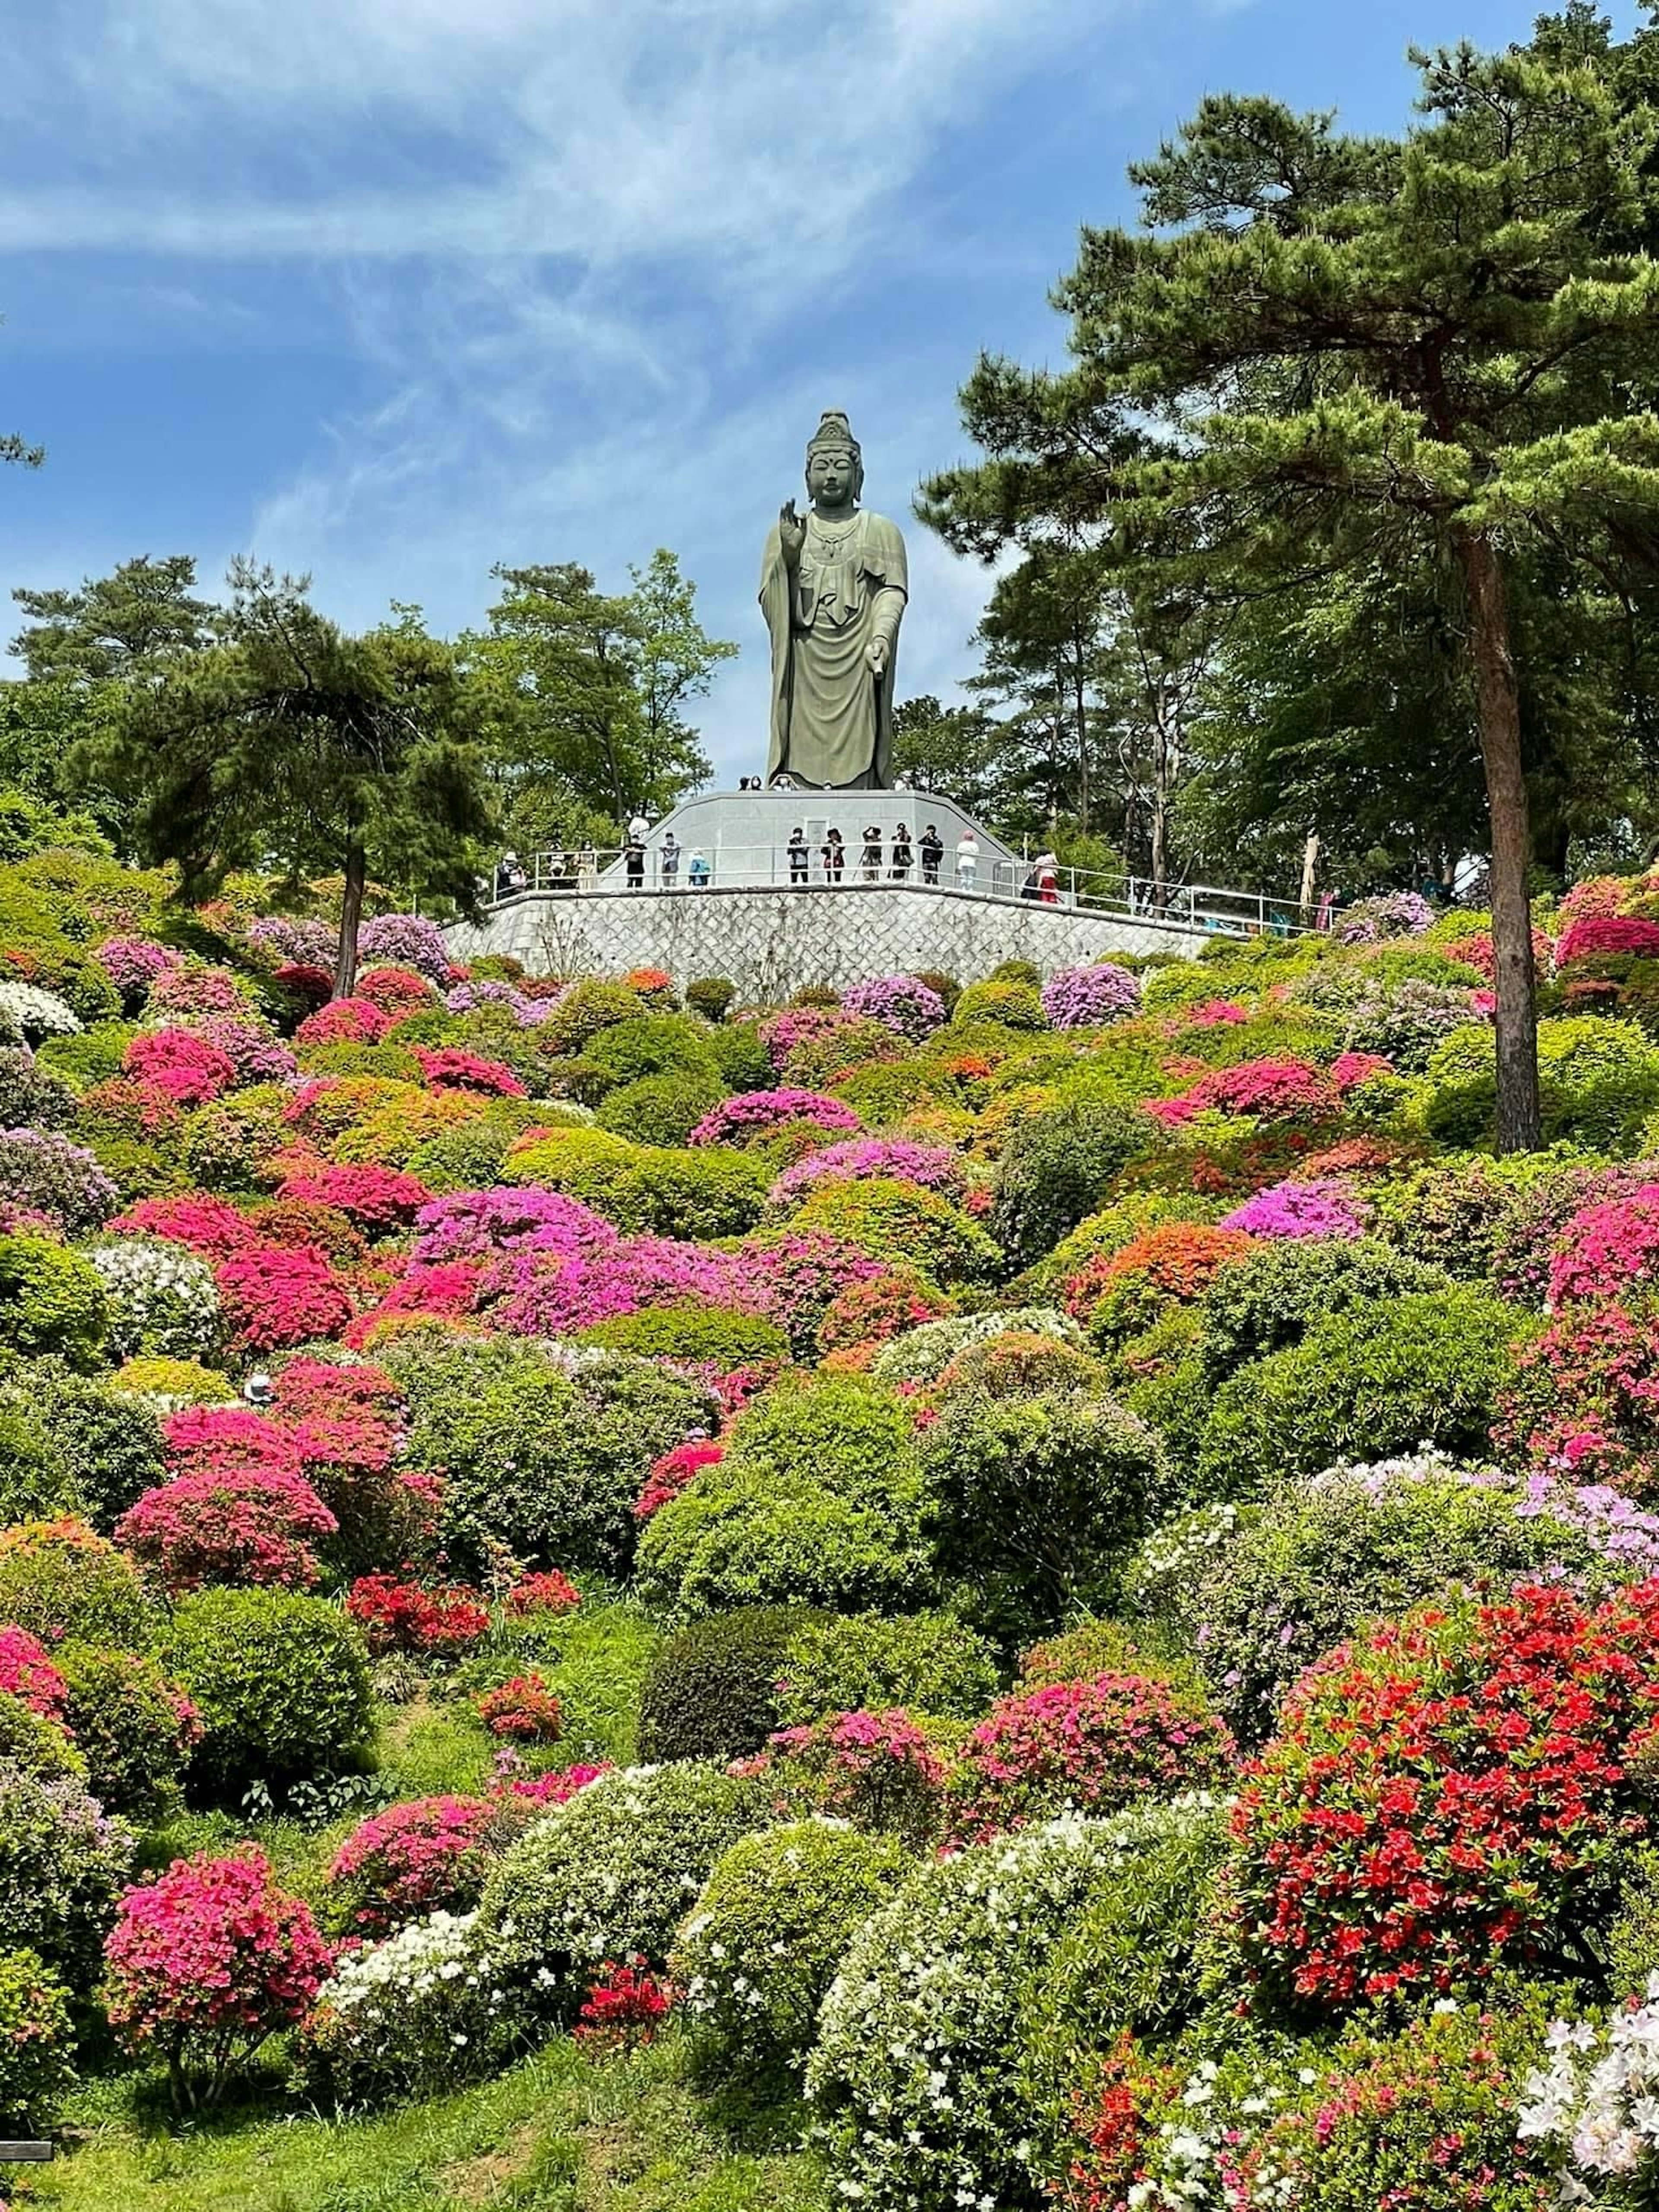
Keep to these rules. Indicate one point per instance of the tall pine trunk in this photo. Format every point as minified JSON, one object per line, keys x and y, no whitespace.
{"x":351,"y":915}
{"x":1520,"y":1121}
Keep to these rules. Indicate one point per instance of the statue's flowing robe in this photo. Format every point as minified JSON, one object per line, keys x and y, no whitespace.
{"x":832,"y":721}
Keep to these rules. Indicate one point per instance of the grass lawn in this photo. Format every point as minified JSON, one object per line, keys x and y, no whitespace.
{"x":559,"y":2133}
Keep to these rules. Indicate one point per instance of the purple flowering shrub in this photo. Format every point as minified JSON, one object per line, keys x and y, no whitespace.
{"x":1393,"y":914}
{"x":1324,"y":1208}
{"x":1086,"y":998}
{"x":478,"y":1224}
{"x":758,"y":1113}
{"x":546,"y":1294}
{"x":934,"y":1166}
{"x":404,"y":940}
{"x":132,"y":964}
{"x":909,"y":1008}
{"x":44,"y":1173}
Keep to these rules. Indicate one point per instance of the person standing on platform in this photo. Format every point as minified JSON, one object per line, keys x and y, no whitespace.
{"x":668,"y":861}
{"x":697,"y":868}
{"x":587,"y":869}
{"x":932,"y":851}
{"x":638,"y":829}
{"x":967,"y":860}
{"x":870,"y":857}
{"x":833,"y":855}
{"x":633,"y":861}
{"x":1047,"y":875}
{"x":800,"y":857}
{"x":902,"y":854}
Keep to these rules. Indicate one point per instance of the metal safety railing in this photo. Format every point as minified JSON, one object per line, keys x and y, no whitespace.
{"x":1206,"y":908}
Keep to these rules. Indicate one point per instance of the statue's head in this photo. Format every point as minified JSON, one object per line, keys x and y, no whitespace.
{"x":834,"y":467}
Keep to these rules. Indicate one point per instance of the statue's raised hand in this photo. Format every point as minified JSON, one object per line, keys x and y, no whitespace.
{"x":792,"y":535}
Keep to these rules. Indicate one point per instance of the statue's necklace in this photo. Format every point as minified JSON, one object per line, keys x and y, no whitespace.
{"x":830,"y":541}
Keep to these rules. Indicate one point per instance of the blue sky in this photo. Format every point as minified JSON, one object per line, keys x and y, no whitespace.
{"x":391,"y":289}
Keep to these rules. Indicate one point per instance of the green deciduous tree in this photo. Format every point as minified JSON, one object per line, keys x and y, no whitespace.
{"x":290,"y":745}
{"x":1329,"y":354}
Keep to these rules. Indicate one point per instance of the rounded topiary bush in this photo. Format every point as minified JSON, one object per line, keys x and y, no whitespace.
{"x":133,"y":1728}
{"x":58,"y":1580}
{"x":915,"y":2071}
{"x":1381,"y":1377}
{"x":1058,"y":1168}
{"x":51,"y":1301}
{"x":111,"y":1446}
{"x":280,"y":1684}
{"x":36,"y":1743}
{"x":760,"y":1947}
{"x":927,"y":1663}
{"x":62,"y":1864}
{"x":660,"y":1110}
{"x":612,"y":1874}
{"x":421,"y":2014}
{"x":1267,"y":1299}
{"x":37,"y":2044}
{"x":885,"y":1216}
{"x":712,"y":1690}
{"x":921,"y":1355}
{"x":700,"y":1335}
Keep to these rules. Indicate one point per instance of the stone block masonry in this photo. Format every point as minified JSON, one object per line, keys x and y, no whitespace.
{"x":773,"y":942}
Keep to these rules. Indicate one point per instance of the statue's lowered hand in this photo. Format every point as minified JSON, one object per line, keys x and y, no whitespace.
{"x":876,"y":654}
{"x":792,"y":535}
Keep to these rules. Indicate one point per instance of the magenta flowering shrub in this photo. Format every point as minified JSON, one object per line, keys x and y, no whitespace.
{"x":758,"y":1113}
{"x":861,"y":1159}
{"x":207,"y":1960}
{"x":1607,"y":1250}
{"x":795,"y":1025}
{"x":212,"y":1226}
{"x":910,"y":1008}
{"x":1098,"y":1745}
{"x":1350,"y":1069}
{"x":1085,"y":998}
{"x":489,"y":990}
{"x":477,"y":1224}
{"x":256,"y":1055}
{"x":292,"y":943}
{"x":183,"y":1066}
{"x":1270,"y":1090}
{"x":251,"y":1527}
{"x":27,"y":1673}
{"x":344,"y":1021}
{"x":1602,"y":936}
{"x":424,"y":1857}
{"x":1325,"y":1208}
{"x":44,"y":1173}
{"x":449,"y":1069}
{"x":405,"y":940}
{"x":132,"y":964}
{"x":796,"y":1278}
{"x":879,"y":1770}
{"x":545,"y":1295}
{"x":275,"y":1297}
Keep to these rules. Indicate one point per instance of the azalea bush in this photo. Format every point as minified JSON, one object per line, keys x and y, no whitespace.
{"x":420,"y":2013}
{"x":427,"y":1856}
{"x":258,"y":1526}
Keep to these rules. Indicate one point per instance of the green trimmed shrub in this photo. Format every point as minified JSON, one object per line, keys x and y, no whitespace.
{"x":281,"y":1684}
{"x":1267,"y":1300}
{"x":1377,"y":1379}
{"x":1012,"y":1002}
{"x":611,"y":1875}
{"x":92,"y":1057}
{"x":712,"y":1690}
{"x":62,"y":1582}
{"x":544,"y":1456}
{"x":591,"y":1006}
{"x":34,"y":1483}
{"x":759,"y":1949}
{"x":711,"y":996}
{"x":51,"y":1301}
{"x":1058,"y":1168}
{"x":37,"y":1746}
{"x":712,"y":1335}
{"x":695,"y":1196}
{"x":112,"y":1447}
{"x":660,"y":1109}
{"x":1035,"y":1504}
{"x":742,"y":1058}
{"x":883,"y":1216}
{"x":1598,"y":1080}
{"x":131,"y":1728}
{"x":63,"y":1861}
{"x":471,"y":1155}
{"x":653,"y":1044}
{"x":928,"y":1663}
{"x":37,"y":2041}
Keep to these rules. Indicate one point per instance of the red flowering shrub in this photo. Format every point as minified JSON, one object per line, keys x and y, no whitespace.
{"x":1268,"y":1090}
{"x":227,"y":1440}
{"x":1102,"y":1744}
{"x":1115,"y":2123}
{"x":1598,"y":936}
{"x":670,"y":1474}
{"x":247,"y":1527}
{"x":212,"y":1226}
{"x":1606,"y":1250}
{"x":296,"y":1222}
{"x":207,"y":1960}
{"x":623,"y":2010}
{"x":343,"y":1021}
{"x":304,"y":980}
{"x":394,"y":990}
{"x":449,"y":1069}
{"x":878,"y":1770}
{"x":378,"y":1199}
{"x":872,"y":1313}
{"x":274,"y":1298}
{"x":1447,"y":1795}
{"x":180,"y":1065}
{"x":649,"y":983}
{"x":133,"y":1107}
{"x":448,"y":1289}
{"x":1120,"y":1293}
{"x":560,"y":1788}
{"x":340,"y":1416}
{"x":424,"y":1857}
{"x":401,"y":1616}
{"x":523,"y":1709}
{"x":27,"y":1673}
{"x":549,"y":1593}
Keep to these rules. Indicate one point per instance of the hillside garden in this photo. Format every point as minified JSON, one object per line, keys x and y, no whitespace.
{"x":982,"y":1592}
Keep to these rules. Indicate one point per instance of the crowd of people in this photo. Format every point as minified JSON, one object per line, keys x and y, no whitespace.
{"x":879,"y":859}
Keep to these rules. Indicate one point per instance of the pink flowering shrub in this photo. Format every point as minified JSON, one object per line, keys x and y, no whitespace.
{"x":424,"y":1857}
{"x":1099,"y":1745}
{"x":796,"y":1278}
{"x":1217,"y":1013}
{"x":254,"y":1527}
{"x":293,"y":943}
{"x":395,"y":991}
{"x":1350,"y":1069}
{"x":523,"y":1709}
{"x":205,"y":1962}
{"x":27,"y":1673}
{"x":670,"y":1474}
{"x":405,"y":940}
{"x":378,"y":1199}
{"x":212,"y":1226}
{"x":549,"y":1790}
{"x":876,"y":1770}
{"x":344,"y":1021}
{"x":1607,"y":1250}
{"x":448,"y":1292}
{"x":1601,"y":936}
{"x":910,"y":1008}
{"x":274,"y":1298}
{"x":760,"y":1113}
{"x":934,"y":1166}
{"x":476,"y":1225}
{"x":449,"y":1069}
{"x":795,"y":1025}
{"x":184,"y":990}
{"x":1326,"y":1208}
{"x":132,"y":964}
{"x":547,"y":1296}
{"x":1270,"y":1090}
{"x":305,"y":981}
{"x":1085,"y":998}
{"x":255,"y":1053}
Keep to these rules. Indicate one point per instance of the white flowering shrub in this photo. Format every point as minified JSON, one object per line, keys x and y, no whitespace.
{"x":921,"y":1355}
{"x":423,"y":2012}
{"x":27,"y":1012}
{"x":1594,"y":2103}
{"x":612,"y":1874}
{"x":915,"y":2072}
{"x":163,"y":1302}
{"x":761,"y":1947}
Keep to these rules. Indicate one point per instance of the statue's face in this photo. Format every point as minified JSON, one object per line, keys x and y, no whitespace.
{"x":830,"y":477}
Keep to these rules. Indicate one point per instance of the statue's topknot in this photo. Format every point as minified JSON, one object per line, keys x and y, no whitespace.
{"x":834,"y":430}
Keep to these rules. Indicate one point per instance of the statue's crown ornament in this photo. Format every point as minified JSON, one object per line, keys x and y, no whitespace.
{"x":834,"y":431}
